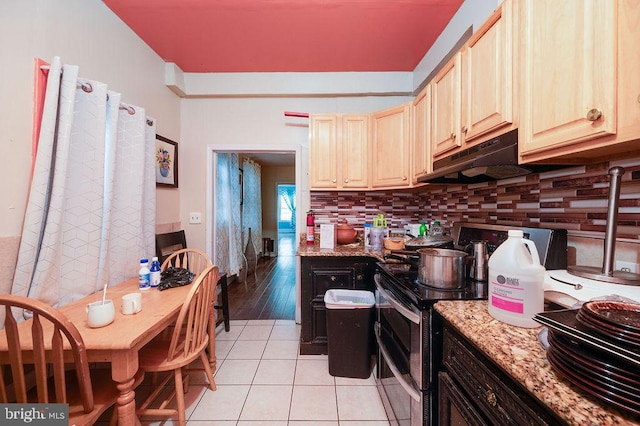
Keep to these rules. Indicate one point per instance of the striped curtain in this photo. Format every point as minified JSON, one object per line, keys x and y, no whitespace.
{"x":252,"y":204}
{"x":228,"y":228}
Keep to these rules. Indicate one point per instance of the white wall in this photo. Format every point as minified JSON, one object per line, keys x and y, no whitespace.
{"x":84,"y":33}
{"x":239,"y":123}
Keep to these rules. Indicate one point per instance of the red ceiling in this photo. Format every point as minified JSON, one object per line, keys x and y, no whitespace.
{"x":288,"y":35}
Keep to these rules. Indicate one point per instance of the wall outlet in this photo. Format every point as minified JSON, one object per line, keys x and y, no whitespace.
{"x":195,"y":217}
{"x":627,"y":266}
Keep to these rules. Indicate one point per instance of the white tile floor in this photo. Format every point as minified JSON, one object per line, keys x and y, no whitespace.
{"x":262,"y":380}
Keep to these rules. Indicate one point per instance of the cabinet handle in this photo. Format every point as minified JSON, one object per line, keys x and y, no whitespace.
{"x":346,"y":180}
{"x":491,"y":398}
{"x":464,"y":129}
{"x":332,"y":278}
{"x":404,"y":178}
{"x":359,"y":277}
{"x":453,"y":135}
{"x":594,"y":114}
{"x":333,"y":180}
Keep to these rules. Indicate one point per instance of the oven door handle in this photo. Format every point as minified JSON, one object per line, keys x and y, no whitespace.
{"x":403,"y":310}
{"x":409,"y":387}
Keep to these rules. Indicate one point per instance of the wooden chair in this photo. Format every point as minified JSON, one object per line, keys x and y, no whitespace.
{"x":40,"y":365}
{"x":188,"y":341}
{"x":167,"y":244}
{"x":196,"y":261}
{"x":192,"y":259}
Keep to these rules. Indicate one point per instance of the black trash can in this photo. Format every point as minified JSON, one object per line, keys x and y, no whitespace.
{"x":350,"y":318}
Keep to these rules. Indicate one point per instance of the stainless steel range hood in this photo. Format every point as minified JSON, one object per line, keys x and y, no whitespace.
{"x":494,"y":159}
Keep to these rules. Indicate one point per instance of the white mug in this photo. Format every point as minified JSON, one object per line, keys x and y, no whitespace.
{"x":100,"y":314}
{"x":131,"y":303}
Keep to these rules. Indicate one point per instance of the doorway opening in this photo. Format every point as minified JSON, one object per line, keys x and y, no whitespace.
{"x":272,"y":292}
{"x":286,"y":219}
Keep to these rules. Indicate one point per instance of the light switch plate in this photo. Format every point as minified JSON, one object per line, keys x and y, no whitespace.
{"x":195,"y":217}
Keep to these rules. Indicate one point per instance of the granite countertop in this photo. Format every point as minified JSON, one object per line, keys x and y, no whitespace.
{"x":355,"y":249}
{"x":518,"y":352}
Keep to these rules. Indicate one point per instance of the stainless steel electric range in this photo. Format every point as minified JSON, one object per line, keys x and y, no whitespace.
{"x":409,"y":333}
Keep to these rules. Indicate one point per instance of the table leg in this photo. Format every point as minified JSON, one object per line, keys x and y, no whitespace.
{"x":124,"y":368}
{"x":127,"y":404}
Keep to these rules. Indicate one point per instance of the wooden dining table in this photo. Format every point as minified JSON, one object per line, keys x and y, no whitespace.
{"x":120,"y":342}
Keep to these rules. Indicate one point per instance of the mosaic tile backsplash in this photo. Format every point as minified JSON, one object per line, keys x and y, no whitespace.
{"x":574,"y":198}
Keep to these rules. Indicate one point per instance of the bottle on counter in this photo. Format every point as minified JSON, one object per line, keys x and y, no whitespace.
{"x":154,"y":275}
{"x":435,"y":229}
{"x":516,"y":278}
{"x":423,"y":230}
{"x":144,"y":273}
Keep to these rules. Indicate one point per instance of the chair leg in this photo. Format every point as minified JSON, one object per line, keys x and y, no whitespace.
{"x":224,"y":290}
{"x":208,"y":371}
{"x":177,"y":374}
{"x":212,"y":340}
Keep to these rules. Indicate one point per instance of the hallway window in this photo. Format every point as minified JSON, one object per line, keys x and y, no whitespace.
{"x":286,"y":208}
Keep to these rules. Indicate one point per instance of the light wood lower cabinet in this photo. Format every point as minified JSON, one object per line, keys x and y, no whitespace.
{"x":390,"y":145}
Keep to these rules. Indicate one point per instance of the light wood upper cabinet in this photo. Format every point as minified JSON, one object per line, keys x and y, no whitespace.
{"x":391,"y":147}
{"x":487,"y":79}
{"x":339,"y":151}
{"x":569,"y":73}
{"x":421,"y":132}
{"x":355,"y":151}
{"x":445,"y":108}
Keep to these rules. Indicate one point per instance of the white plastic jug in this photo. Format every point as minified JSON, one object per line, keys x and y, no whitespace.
{"x":516,"y":279}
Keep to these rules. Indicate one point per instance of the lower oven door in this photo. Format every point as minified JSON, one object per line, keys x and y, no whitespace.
{"x":399,"y":336}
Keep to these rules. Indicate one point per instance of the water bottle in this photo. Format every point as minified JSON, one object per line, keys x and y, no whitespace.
{"x":435,"y":229}
{"x":154,"y":277}
{"x":144,"y":273}
{"x":516,"y":280}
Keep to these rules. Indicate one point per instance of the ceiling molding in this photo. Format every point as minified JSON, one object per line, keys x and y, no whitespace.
{"x":326,"y":84}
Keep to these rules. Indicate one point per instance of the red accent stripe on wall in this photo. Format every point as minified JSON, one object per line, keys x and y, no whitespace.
{"x":40,"y":87}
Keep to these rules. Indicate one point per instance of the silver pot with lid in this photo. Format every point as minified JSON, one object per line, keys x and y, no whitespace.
{"x":442,"y":268}
{"x":428,"y":241}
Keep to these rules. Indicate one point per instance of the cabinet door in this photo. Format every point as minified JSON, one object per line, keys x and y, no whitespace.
{"x":487,"y":77}
{"x":454,"y":408}
{"x":355,"y":151}
{"x":445,"y":107}
{"x":421,"y":141}
{"x":568,"y":57}
{"x":323,"y":152}
{"x":391,"y":140}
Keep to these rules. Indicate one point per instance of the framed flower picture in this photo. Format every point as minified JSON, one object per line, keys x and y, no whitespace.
{"x":166,"y":164}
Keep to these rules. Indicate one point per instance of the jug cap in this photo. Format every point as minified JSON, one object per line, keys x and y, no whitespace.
{"x":379,"y":221}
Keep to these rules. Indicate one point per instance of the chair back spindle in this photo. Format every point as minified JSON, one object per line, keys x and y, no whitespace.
{"x":50,"y":334}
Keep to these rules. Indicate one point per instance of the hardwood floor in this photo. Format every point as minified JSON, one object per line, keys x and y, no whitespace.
{"x":271,"y":293}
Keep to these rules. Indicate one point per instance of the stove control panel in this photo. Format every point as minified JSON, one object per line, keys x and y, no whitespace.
{"x":551,"y":243}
